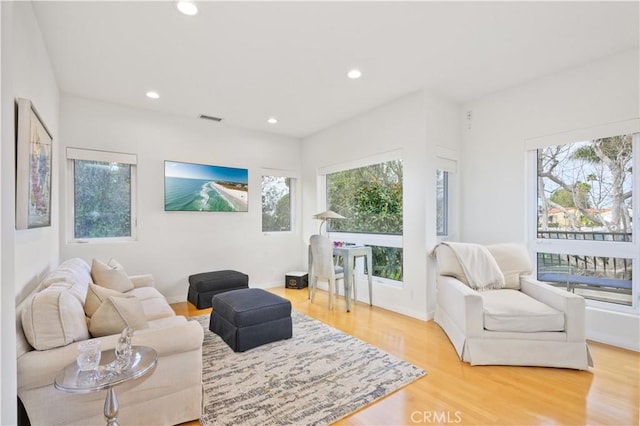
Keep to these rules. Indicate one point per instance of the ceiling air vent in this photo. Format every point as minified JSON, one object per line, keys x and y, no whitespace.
{"x":209,"y":117}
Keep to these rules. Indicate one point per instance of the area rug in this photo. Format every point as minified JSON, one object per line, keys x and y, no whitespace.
{"x":315,"y":378}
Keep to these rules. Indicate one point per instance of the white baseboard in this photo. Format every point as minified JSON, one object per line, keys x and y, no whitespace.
{"x":176,"y":299}
{"x":613,"y":341}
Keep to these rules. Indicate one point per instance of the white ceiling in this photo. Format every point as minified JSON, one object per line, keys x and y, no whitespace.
{"x":247,"y":61}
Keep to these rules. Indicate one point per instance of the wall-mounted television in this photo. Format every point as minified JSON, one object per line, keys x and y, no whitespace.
{"x":204,"y":188}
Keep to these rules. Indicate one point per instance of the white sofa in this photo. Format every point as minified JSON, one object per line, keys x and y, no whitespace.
{"x":51,"y":321}
{"x":521,"y":321}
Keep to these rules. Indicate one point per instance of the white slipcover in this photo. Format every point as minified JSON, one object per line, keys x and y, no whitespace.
{"x":462,"y":313}
{"x":172,"y":394}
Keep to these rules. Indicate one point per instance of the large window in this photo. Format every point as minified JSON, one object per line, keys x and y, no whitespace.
{"x":102,"y":195}
{"x":370,"y":199}
{"x":277,"y":203}
{"x":585,"y":239}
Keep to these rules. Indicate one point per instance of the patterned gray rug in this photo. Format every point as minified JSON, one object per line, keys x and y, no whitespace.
{"x":315,"y":378}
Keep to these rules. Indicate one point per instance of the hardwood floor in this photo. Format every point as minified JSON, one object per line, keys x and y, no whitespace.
{"x":453,"y":392}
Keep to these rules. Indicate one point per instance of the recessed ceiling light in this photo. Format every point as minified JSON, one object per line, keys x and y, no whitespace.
{"x":187,"y":7}
{"x":354,"y":74}
{"x":153,"y":95}
{"x":272,"y":120}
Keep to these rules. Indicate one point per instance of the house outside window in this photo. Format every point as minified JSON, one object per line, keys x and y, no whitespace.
{"x":370,"y":199}
{"x":102,"y":195}
{"x":584,"y":221}
{"x":277,"y":203}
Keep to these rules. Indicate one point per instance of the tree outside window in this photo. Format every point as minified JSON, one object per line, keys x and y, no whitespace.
{"x":585,"y":194}
{"x":102,"y":194}
{"x":102,"y":199}
{"x":586,"y":187}
{"x":370,"y":199}
{"x":276,"y":203}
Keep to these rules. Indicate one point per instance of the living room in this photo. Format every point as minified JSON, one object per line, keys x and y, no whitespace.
{"x":485,"y":136}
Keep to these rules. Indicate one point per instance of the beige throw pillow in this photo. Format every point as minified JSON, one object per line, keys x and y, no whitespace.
{"x":513,"y":260}
{"x":54,"y":317}
{"x":115,"y":314}
{"x":448,"y":263}
{"x":110,"y":275}
{"x":96,"y":296}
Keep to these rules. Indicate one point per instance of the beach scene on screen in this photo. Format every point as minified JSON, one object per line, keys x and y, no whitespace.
{"x":204,"y":188}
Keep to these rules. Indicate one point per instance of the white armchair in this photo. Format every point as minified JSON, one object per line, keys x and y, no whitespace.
{"x":522,"y":322}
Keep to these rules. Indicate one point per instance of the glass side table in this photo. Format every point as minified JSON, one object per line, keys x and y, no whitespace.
{"x":72,"y":380}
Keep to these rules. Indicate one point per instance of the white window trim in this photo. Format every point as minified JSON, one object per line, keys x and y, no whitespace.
{"x":104,"y":156}
{"x":630,"y":250}
{"x":293,"y":195}
{"x":447,"y":160}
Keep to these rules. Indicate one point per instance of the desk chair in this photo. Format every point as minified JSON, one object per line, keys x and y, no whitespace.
{"x":323,"y":267}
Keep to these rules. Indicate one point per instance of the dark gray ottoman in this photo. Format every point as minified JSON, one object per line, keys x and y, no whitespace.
{"x":202,"y":287}
{"x":250,"y":317}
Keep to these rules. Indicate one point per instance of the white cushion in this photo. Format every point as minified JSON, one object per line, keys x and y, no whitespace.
{"x":72,"y":271}
{"x":96,"y":296}
{"x":513,"y":260}
{"x":157,"y":308}
{"x":53,"y":318}
{"x":144,"y":293}
{"x":115,"y":314}
{"x":513,"y":311}
{"x":111,"y":276}
{"x":448,"y":264}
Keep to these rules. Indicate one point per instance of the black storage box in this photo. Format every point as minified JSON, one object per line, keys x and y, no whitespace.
{"x":296,"y":279}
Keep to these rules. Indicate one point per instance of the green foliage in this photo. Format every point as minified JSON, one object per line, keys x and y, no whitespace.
{"x":370,"y":198}
{"x":614,"y":148}
{"x":387,"y":262}
{"x":565,"y":197}
{"x":102,"y":199}
{"x":276,"y":204}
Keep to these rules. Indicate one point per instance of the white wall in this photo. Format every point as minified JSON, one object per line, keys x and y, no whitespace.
{"x":414,"y":124}
{"x":174,"y":245}
{"x":26,"y":254}
{"x":493,"y":154}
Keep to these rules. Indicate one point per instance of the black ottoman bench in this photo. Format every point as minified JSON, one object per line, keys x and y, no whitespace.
{"x":250,"y":317}
{"x":202,"y":287}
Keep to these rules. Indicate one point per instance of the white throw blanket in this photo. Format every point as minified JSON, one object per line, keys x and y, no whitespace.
{"x":479,"y":266}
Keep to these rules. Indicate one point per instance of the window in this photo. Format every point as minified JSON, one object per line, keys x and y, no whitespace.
{"x":102,"y":194}
{"x":277,"y":203}
{"x":370,"y":199}
{"x":442,"y":202}
{"x":584,"y":221}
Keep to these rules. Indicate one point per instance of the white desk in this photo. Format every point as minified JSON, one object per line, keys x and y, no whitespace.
{"x":349,"y":255}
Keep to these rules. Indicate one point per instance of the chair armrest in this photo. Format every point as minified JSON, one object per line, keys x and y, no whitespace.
{"x":39,"y":368}
{"x":462,"y":304}
{"x":145,"y":280}
{"x":572,"y":305}
{"x":167,"y":341}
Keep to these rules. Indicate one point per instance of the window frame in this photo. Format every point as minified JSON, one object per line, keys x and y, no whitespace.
{"x":73,"y":154}
{"x":444,"y":233}
{"x":384,"y":240}
{"x":447,"y":161}
{"x":617,"y":249}
{"x":293,"y":197}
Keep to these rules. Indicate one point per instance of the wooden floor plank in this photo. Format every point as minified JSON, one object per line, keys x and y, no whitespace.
{"x":453,"y":392}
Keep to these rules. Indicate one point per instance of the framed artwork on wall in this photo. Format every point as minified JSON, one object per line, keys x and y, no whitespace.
{"x":204,"y":188}
{"x":33,"y":168}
